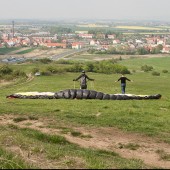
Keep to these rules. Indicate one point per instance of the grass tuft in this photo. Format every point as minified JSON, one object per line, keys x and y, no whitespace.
{"x":45,"y":137}
{"x":131,"y":146}
{"x":19,"y":119}
{"x":9,"y":161}
{"x":163,"y":155}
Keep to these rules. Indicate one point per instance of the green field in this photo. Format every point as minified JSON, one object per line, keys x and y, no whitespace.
{"x":148,"y":118}
{"x":89,"y":57}
{"x":147,"y":33}
{"x":4,"y":51}
{"x":26,"y":51}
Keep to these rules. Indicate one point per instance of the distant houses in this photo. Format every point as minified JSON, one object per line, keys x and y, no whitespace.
{"x":82,"y":39}
{"x":56,"y":45}
{"x":77,"y":45}
{"x":90,"y":36}
{"x":166,"y":49}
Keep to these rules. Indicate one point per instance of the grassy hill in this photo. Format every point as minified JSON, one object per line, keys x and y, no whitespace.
{"x":145,"y":117}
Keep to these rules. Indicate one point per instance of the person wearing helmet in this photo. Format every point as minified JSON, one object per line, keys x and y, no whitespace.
{"x":83,"y":80}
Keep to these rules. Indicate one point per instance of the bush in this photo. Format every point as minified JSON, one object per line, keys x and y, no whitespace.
{"x":8,"y":77}
{"x":146,"y":68}
{"x":35,"y":70}
{"x":54,"y":70}
{"x":154,"y":73}
{"x":62,"y":61}
{"x":5,"y":69}
{"x":76,"y":68}
{"x":45,"y":60}
{"x":18,"y":73}
{"x":164,"y":71}
{"x":46,"y":73}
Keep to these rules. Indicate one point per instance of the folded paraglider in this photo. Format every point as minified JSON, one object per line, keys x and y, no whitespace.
{"x":81,"y":94}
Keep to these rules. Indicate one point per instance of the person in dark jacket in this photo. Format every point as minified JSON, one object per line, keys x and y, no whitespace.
{"x":83,"y":80}
{"x":123,"y":82}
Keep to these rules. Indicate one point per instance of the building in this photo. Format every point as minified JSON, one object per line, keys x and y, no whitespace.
{"x":111,"y":36}
{"x":56,"y":45}
{"x":77,"y":45}
{"x":86,"y":36}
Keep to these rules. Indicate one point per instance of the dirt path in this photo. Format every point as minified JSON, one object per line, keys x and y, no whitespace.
{"x":127,"y":145}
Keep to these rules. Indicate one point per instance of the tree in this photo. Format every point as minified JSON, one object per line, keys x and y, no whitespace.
{"x":142,"y":51}
{"x":157,"y":49}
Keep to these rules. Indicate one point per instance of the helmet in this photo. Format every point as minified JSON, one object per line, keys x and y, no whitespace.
{"x":83,"y":71}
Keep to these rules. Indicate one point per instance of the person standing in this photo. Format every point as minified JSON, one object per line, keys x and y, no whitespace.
{"x":123,"y":83}
{"x":83,"y":80}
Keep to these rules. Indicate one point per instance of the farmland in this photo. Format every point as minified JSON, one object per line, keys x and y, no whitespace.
{"x":87,"y":133}
{"x":138,"y":28}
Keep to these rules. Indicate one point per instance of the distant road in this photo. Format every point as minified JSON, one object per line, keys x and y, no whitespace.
{"x":62,"y":55}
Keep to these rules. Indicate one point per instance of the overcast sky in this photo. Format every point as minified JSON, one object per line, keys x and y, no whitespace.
{"x":86,"y":9}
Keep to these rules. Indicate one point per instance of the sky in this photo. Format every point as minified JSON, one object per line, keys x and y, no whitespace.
{"x":85,"y":9}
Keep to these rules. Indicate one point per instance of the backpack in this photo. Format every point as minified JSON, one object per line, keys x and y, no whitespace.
{"x":83,"y":80}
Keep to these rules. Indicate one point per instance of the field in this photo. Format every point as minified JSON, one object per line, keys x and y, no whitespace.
{"x":95,"y":134}
{"x":147,"y":33}
{"x":139,"y":28}
{"x":4,"y":51}
{"x":26,"y":51}
{"x":95,"y":57}
{"x":30,"y":52}
{"x":93,"y":25}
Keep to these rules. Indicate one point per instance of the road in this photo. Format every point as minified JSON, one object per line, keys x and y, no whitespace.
{"x":62,"y":55}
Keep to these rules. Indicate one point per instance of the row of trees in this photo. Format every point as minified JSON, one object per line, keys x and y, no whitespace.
{"x":125,"y":50}
{"x":106,"y":67}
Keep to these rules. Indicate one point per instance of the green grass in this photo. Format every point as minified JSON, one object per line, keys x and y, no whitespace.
{"x":4,"y":51}
{"x":89,"y":57}
{"x":158,"y":64}
{"x":26,"y":51}
{"x":149,"y":117}
{"x":65,"y":154}
{"x":10,"y":161}
{"x":44,"y":137}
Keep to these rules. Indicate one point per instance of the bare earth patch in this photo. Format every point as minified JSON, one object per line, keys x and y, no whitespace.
{"x":127,"y":145}
{"x":4,"y":83}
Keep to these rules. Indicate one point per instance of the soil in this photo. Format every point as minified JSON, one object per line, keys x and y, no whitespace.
{"x":5,"y":83}
{"x":105,"y":138}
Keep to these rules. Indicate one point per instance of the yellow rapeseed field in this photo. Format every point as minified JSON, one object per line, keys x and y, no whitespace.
{"x":138,"y":28}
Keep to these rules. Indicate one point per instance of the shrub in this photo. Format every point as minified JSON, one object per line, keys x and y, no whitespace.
{"x":18,"y":73}
{"x":146,"y":68}
{"x":45,"y":60}
{"x":8,"y":77}
{"x":45,"y":73}
{"x":76,"y":68}
{"x":5,"y":69}
{"x":62,"y":61}
{"x":164,"y":71}
{"x":35,"y":70}
{"x":154,"y":73}
{"x":54,"y":70}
